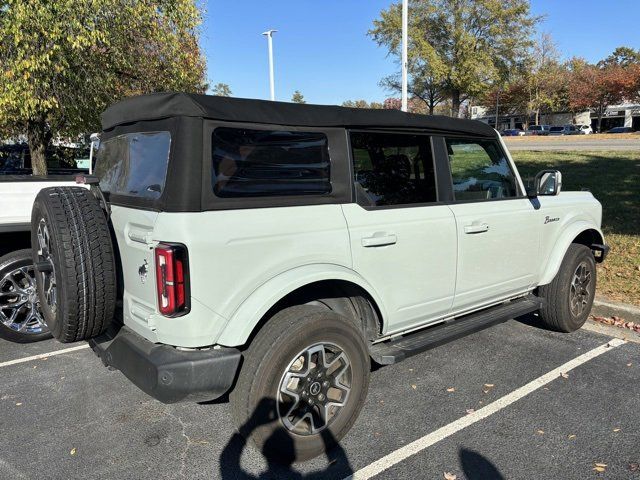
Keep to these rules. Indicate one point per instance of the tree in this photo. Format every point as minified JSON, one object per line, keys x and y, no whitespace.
{"x":298,"y":97}
{"x":596,"y":88}
{"x":422,"y":86}
{"x":362,"y":104}
{"x":622,"y":57}
{"x":63,"y":62}
{"x":221,"y":90}
{"x":464,"y":45}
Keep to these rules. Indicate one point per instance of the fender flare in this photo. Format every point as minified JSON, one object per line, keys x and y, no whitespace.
{"x":562,"y":245}
{"x":246,"y":317}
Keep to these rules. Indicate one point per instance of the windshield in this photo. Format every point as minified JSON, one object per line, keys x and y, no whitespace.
{"x":557,"y":129}
{"x":134,"y":164}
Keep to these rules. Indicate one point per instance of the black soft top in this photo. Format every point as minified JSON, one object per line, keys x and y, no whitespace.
{"x":166,"y":105}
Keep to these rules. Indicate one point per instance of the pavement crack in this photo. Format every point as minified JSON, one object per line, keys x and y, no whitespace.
{"x":187,"y":445}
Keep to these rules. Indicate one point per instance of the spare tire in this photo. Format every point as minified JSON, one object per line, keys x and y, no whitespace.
{"x":74,"y":261}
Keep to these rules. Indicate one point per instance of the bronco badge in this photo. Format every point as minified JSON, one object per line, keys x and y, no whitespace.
{"x":548,"y":219}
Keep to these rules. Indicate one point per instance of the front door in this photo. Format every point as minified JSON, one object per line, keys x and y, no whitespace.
{"x":403,"y":241}
{"x":498,"y":235}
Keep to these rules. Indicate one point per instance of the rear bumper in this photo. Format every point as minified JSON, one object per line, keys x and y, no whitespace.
{"x":165,"y":373}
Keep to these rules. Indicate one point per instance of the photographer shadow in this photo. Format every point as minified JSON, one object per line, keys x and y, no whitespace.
{"x":282,"y":467}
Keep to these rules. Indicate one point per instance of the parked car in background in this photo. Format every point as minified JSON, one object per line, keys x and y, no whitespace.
{"x":513,"y":132}
{"x":21,"y":318}
{"x":584,"y":129}
{"x":563,"y":130}
{"x":538,"y":130}
{"x":621,"y":130}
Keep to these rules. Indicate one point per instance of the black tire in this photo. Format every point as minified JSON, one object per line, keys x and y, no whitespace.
{"x":21,"y":319}
{"x":70,"y":237}
{"x":562,"y":311}
{"x":255,"y":400}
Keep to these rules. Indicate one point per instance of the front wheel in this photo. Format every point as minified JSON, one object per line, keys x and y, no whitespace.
{"x":21,"y":318}
{"x":569,"y":297}
{"x":303,"y":383}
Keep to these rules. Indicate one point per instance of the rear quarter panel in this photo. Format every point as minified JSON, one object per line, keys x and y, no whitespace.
{"x":232,"y":253}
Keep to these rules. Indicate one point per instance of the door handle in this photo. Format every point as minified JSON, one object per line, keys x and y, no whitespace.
{"x":476,"y":228}
{"x":379,"y":239}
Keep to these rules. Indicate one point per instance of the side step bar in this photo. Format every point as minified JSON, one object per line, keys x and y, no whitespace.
{"x":397,"y":349}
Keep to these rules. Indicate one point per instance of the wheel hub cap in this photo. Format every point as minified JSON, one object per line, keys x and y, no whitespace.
{"x":580,"y":294}
{"x":314,"y":388}
{"x":19,"y":306}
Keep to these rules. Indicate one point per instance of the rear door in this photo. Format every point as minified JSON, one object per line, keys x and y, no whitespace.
{"x":403,"y":241}
{"x":497,"y":225}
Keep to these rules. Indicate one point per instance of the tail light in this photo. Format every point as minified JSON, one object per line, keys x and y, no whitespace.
{"x":172,"y":279}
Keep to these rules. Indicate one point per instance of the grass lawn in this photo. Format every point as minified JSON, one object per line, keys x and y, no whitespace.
{"x":614,"y":179}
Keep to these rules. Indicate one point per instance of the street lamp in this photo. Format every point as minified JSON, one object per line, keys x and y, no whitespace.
{"x":405,"y":21}
{"x":272,"y":88}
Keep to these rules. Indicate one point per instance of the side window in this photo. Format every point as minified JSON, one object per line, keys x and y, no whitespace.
{"x":393,"y":168}
{"x":480,"y":170}
{"x":254,"y":163}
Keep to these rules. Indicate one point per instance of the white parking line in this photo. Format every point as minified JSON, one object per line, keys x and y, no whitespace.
{"x":44,"y":355}
{"x":432,"y":438}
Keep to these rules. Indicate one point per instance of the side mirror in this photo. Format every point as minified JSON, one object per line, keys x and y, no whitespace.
{"x":548,"y":182}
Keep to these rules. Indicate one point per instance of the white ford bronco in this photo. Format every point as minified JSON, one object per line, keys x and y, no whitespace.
{"x":273,"y":250}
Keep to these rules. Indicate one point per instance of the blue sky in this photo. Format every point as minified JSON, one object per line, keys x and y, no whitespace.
{"x":322,"y":48}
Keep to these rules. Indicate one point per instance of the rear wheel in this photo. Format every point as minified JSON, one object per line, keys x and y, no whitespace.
{"x":20,"y":315}
{"x":303,"y":383}
{"x":74,"y":260}
{"x":569,"y":297}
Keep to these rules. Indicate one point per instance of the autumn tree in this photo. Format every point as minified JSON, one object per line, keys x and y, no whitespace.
{"x":221,"y":90}
{"x":63,"y":62}
{"x":297,"y":97}
{"x":622,"y":57}
{"x":464,"y":45}
{"x":596,"y":87}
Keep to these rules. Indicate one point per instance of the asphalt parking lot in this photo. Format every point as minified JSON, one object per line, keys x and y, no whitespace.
{"x":513,"y":401}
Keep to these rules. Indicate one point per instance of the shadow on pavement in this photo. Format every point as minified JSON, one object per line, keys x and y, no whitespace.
{"x":477,"y":467}
{"x":230,"y":468}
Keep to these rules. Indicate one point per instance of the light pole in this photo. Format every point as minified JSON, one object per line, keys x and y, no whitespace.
{"x":405,"y":21}
{"x":272,"y":87}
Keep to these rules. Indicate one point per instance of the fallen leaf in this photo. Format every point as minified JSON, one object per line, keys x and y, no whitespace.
{"x":414,"y":386}
{"x":616,"y":429}
{"x":486,"y":391}
{"x":449,"y":476}
{"x":599,"y":469}
{"x":451,"y":389}
{"x":489,"y":385}
{"x":601,"y":465}
{"x":411,"y":369}
{"x":572,"y":436}
{"x":629,"y":364}
{"x":634,"y":467}
{"x":73,"y":451}
{"x":18,"y":404}
{"x":470,"y":411}
{"x":540,"y":432}
{"x":564,"y":375}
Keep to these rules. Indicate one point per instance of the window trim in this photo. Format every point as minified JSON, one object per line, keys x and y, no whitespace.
{"x":434,"y":159}
{"x":519,"y":193}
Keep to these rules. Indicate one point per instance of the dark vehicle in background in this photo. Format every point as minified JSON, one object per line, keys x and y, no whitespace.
{"x":563,"y":130}
{"x":538,"y":130}
{"x":512,"y":132}
{"x":621,"y":130}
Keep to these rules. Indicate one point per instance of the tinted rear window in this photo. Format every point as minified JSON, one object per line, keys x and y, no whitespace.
{"x":253,"y":163}
{"x":134,"y":164}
